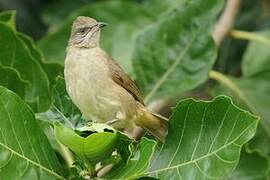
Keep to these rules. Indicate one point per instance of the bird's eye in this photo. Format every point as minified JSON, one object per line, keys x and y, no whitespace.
{"x":81,"y":31}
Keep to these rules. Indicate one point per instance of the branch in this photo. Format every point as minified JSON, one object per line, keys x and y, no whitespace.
{"x":226,"y":21}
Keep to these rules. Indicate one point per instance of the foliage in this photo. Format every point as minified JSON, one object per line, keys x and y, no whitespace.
{"x":167,"y":47}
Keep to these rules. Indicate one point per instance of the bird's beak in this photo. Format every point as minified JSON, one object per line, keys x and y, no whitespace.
{"x":102,"y":25}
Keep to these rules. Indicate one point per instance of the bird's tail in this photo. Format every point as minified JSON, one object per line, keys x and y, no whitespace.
{"x":154,"y":124}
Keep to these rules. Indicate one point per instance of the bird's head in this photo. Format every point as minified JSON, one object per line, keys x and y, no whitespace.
{"x":85,"y":32}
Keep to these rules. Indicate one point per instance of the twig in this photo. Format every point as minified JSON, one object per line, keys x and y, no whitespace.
{"x":243,"y":35}
{"x":226,"y":21}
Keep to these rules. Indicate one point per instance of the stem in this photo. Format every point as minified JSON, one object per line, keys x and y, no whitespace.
{"x":249,"y":36}
{"x":67,"y":155}
{"x":230,"y":84}
{"x":226,"y":21}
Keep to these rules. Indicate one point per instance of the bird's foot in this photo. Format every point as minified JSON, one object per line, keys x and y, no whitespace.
{"x":111,"y":122}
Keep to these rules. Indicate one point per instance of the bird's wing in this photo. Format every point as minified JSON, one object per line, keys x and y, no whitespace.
{"x":121,"y":78}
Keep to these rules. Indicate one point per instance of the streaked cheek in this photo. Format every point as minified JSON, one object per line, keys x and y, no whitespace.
{"x":78,"y":40}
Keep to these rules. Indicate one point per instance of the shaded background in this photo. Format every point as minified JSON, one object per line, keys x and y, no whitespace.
{"x":35,"y":16}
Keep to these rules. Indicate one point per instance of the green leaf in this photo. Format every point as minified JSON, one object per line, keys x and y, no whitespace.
{"x":8,"y":17}
{"x":52,"y":69}
{"x":25,"y":152}
{"x":137,"y":165}
{"x":62,"y":109}
{"x":10,"y":78}
{"x":254,"y":94}
{"x":261,"y":141}
{"x":62,"y":101}
{"x":256,"y":91}
{"x":251,"y":166}
{"x":157,"y":7}
{"x":118,"y":38}
{"x":15,"y":54}
{"x":253,"y":89}
{"x":176,"y":53}
{"x":89,"y":146}
{"x":257,"y":56}
{"x":204,"y":140}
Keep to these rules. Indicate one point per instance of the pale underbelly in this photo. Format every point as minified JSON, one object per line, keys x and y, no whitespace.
{"x":100,"y":99}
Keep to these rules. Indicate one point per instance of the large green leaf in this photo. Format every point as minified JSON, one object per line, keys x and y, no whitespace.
{"x":254,"y":94}
{"x":251,"y":166}
{"x":257,"y":56}
{"x":25,"y":152}
{"x":52,"y":69}
{"x":204,"y":140}
{"x":157,"y":7}
{"x":176,"y":53}
{"x":9,"y":18}
{"x":253,"y":89}
{"x":125,"y":20}
{"x":11,"y":79}
{"x":15,"y":54}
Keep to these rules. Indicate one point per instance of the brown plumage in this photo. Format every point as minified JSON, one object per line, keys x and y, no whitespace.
{"x":121,"y":78}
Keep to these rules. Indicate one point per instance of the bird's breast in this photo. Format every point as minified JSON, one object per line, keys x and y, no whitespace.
{"x":86,"y":75}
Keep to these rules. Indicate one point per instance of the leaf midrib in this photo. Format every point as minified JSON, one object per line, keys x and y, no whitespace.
{"x":22,"y":155}
{"x":202,"y":157}
{"x":31,"y":161}
{"x":165,"y":76}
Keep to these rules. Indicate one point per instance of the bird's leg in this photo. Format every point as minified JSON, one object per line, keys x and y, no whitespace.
{"x":118,"y":118}
{"x":112,"y":121}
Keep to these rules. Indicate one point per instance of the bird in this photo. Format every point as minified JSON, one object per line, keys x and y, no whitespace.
{"x":100,"y":88}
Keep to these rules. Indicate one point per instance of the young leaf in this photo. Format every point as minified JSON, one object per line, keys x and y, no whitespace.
{"x":88,"y":146}
{"x":24,"y":149}
{"x":204,"y":140}
{"x":176,"y":53}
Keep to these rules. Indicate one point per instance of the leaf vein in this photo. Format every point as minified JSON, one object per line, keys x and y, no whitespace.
{"x":204,"y":156}
{"x":219,"y":129}
{"x":31,"y":161}
{"x":184,"y":127}
{"x":200,"y":133}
